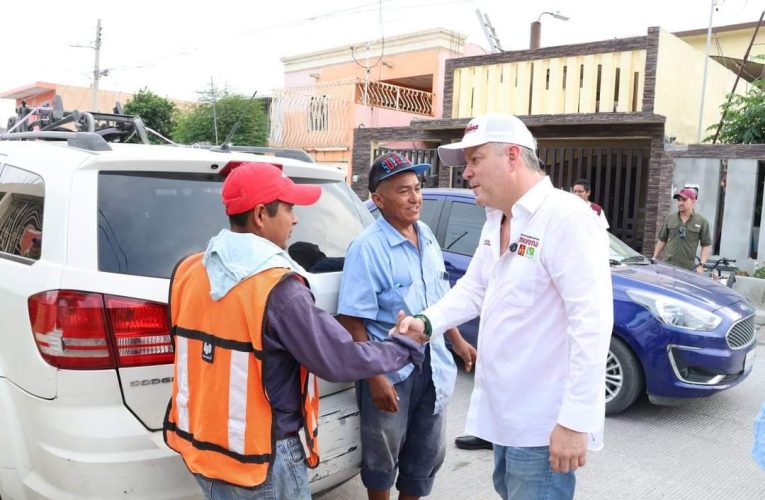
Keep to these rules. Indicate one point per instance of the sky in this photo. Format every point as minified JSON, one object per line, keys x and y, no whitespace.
{"x":175,"y":48}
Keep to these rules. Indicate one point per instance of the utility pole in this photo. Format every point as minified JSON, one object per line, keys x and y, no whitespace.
{"x":96,"y":68}
{"x":704,"y":78}
{"x":97,"y":72}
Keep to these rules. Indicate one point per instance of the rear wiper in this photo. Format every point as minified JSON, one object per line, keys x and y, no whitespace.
{"x":634,"y":258}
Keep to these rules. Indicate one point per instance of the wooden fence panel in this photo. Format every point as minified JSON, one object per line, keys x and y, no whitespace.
{"x":626,"y":77}
{"x":555,"y":97}
{"x":480,"y":91}
{"x":588,"y":80}
{"x":523,"y":77}
{"x":607,"y":74}
{"x":571,"y":81}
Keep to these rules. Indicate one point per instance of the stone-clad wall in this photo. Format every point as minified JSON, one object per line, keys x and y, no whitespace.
{"x":364,"y":140}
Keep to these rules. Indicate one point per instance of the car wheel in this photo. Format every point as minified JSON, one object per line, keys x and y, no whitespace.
{"x":624,"y":378}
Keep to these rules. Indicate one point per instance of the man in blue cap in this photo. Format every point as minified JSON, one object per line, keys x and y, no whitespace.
{"x":393,"y":267}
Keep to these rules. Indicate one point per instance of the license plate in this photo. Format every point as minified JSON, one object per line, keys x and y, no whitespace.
{"x":749,"y":359}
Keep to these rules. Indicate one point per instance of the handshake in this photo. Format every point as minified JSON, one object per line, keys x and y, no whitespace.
{"x":417,"y":328}
{"x":413,"y":327}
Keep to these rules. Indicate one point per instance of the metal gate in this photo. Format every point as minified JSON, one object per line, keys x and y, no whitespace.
{"x":618,"y":177}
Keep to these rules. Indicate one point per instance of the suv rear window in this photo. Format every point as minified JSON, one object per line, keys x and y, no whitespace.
{"x":148,"y":221}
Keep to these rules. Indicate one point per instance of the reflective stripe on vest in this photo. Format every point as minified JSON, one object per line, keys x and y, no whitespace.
{"x":219,"y":417}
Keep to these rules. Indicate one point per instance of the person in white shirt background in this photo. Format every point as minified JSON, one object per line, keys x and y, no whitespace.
{"x":540,"y":280}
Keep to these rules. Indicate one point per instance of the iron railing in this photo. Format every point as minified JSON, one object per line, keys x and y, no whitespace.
{"x":386,"y":95}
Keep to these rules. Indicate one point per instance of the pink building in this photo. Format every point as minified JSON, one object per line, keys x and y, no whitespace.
{"x":388,"y":83}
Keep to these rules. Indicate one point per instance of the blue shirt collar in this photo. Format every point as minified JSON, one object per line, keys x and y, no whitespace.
{"x":396,"y":238}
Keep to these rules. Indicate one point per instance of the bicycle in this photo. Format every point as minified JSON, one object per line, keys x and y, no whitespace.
{"x":722,"y":270}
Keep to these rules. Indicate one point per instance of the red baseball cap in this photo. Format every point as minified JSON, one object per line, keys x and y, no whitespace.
{"x":686,"y":193}
{"x":252,"y":184}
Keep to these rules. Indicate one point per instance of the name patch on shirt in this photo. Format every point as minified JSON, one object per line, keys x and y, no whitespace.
{"x":528,"y":246}
{"x":486,"y":243}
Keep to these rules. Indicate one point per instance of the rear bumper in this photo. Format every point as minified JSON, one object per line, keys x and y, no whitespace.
{"x":71,"y":447}
{"x":339,"y":441}
{"x":62,"y":448}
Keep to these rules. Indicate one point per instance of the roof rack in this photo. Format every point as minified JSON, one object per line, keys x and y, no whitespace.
{"x":82,"y":140}
{"x":40,"y":121}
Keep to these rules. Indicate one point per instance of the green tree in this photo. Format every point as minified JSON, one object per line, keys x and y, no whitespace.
{"x":197,"y":125}
{"x":157,"y":113}
{"x":744,"y":117}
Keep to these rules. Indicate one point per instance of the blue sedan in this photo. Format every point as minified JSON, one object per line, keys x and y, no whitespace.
{"x":676,"y":334}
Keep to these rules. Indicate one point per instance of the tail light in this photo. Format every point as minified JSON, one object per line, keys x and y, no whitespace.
{"x":90,"y":331}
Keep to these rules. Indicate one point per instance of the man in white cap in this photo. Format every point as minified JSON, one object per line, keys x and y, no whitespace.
{"x":541,"y":282}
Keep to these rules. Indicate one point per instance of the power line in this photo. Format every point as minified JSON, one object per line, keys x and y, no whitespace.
{"x":289,"y":24}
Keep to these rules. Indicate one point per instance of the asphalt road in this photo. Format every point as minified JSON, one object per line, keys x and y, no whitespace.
{"x":697,"y":451}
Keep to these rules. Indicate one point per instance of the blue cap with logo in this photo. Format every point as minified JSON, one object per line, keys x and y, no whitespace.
{"x":389,"y":165}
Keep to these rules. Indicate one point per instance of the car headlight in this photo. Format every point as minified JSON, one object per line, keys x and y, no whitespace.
{"x":676,"y":312}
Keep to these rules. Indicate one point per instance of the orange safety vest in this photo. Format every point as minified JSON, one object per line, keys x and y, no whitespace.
{"x":219,"y":418}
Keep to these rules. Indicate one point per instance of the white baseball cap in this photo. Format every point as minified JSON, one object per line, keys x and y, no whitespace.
{"x":492,"y":127}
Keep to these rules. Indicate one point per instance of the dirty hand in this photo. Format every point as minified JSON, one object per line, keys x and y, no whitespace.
{"x":383,"y":393}
{"x":568,"y":449}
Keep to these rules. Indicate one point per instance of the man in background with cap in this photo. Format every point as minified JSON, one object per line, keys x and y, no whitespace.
{"x":681,"y":233}
{"x":232,"y":416}
{"x":540,"y":280}
{"x":396,"y":265}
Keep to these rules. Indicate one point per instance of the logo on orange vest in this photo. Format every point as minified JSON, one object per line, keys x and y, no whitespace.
{"x":208,"y":352}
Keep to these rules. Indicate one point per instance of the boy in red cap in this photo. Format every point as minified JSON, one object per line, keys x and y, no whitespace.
{"x":681,"y":233}
{"x":248,"y":340}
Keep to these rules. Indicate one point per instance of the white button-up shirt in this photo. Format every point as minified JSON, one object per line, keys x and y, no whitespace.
{"x":546,"y":308}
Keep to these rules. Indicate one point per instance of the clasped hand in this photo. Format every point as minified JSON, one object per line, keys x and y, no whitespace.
{"x":411,"y":327}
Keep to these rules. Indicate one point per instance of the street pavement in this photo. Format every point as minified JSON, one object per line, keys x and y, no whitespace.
{"x":697,"y":451}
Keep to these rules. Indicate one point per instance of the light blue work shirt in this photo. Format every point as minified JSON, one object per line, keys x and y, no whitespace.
{"x":385,"y":273}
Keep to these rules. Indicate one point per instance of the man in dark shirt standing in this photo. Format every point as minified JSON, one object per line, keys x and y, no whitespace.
{"x":682,"y":232}
{"x":248,"y":339}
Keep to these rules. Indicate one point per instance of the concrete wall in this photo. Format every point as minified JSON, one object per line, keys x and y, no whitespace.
{"x":738,"y":214}
{"x":679,"y":77}
{"x":729,"y":43}
{"x":702,"y":164}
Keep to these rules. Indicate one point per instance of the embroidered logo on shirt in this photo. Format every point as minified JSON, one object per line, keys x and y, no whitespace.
{"x":528,"y":246}
{"x":486,"y":242}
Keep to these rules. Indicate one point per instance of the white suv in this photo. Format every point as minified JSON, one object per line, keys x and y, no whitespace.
{"x":89,"y":234}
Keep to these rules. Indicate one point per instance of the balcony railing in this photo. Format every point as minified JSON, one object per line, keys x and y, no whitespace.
{"x":320,"y":115}
{"x":312,"y":116}
{"x":386,"y":95}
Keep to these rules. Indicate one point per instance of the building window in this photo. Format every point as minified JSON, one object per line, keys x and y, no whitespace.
{"x":21,"y":213}
{"x":318,"y":113}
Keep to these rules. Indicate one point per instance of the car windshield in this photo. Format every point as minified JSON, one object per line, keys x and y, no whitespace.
{"x":621,"y":253}
{"x":148,"y":221}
